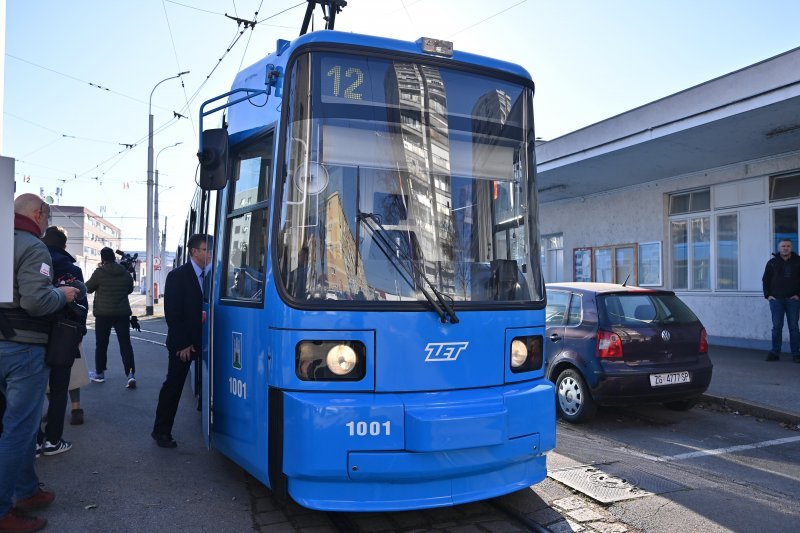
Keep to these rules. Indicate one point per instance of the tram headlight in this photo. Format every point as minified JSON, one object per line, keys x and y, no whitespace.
{"x":341,"y":359}
{"x":519,"y":353}
{"x":337,"y":360}
{"x":527,"y":353}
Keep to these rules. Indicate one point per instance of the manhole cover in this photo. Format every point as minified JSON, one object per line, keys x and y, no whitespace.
{"x":613,"y":482}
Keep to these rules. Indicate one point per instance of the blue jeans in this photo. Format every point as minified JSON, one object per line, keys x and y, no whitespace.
{"x":23,"y":380}
{"x":781,"y":307}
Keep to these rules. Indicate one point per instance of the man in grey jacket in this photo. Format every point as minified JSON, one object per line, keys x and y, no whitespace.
{"x":24,"y":331}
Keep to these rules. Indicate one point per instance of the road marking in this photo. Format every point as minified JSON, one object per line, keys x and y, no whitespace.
{"x":720,"y":451}
{"x":148,"y":340}
{"x":133,"y":337}
{"x":716,"y":451}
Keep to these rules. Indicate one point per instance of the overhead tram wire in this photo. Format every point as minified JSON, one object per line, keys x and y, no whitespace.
{"x":252,"y":28}
{"x":236,"y":38}
{"x":178,"y":63}
{"x":65,"y":135}
{"x":91,"y":84}
{"x":487,"y":18}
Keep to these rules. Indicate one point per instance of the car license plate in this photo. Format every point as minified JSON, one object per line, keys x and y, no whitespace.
{"x":670,"y":378}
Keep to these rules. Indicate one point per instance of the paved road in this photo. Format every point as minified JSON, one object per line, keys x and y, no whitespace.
{"x":116,"y":479}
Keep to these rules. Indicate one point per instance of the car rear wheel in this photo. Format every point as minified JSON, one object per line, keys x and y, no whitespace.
{"x":681,"y":405}
{"x":573,"y":400}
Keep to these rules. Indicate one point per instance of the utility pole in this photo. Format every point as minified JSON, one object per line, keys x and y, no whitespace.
{"x":149,"y":236}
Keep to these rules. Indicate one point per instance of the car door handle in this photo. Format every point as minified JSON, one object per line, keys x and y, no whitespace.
{"x":555,"y":337}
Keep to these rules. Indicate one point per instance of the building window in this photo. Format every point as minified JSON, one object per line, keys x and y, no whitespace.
{"x":701,"y":253}
{"x":691,"y":253}
{"x":784,"y":226}
{"x":728,"y":252}
{"x":680,"y":253}
{"x":553,"y":257}
{"x":615,"y":264}
{"x":650,"y":264}
{"x":784,"y":187}
{"x":690,"y":202}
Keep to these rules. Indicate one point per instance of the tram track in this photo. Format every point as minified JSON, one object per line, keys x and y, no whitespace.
{"x":365,"y":523}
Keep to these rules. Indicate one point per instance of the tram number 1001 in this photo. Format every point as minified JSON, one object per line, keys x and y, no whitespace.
{"x":238,"y":388}
{"x":373,"y":429}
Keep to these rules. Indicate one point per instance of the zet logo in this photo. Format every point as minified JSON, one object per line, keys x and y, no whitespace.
{"x":444,"y":351}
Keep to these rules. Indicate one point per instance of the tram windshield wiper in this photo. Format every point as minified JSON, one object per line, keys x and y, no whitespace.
{"x":440,"y":304}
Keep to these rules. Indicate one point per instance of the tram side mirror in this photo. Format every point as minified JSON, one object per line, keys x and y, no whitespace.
{"x":214,"y":159}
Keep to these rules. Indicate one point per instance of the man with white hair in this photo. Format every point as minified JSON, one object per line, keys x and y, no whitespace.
{"x":24,"y":331}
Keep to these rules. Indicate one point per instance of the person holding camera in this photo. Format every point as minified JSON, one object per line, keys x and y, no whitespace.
{"x":113,"y":283}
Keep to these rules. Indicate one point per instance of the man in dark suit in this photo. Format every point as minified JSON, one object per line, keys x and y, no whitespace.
{"x":183,"y":309}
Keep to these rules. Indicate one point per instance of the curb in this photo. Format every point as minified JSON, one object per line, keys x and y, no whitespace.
{"x":752,"y":408}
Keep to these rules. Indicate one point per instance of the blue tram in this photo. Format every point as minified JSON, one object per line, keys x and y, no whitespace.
{"x":375,"y":320}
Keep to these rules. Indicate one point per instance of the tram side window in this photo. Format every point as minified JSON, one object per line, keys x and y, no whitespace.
{"x":246,"y":228}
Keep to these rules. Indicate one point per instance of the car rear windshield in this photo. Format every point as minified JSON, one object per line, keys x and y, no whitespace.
{"x":634,"y":309}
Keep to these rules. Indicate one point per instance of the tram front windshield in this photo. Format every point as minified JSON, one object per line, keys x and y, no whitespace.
{"x":403,"y":179}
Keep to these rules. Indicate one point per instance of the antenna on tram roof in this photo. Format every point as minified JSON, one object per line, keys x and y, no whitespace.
{"x":329,"y":10}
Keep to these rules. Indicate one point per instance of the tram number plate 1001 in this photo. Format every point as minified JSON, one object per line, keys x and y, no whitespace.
{"x":670,"y":378}
{"x":372,"y":429}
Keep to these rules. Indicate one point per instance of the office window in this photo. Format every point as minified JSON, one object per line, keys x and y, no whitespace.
{"x":680,"y":254}
{"x":784,"y":226}
{"x":728,"y":252}
{"x":690,"y":202}
{"x":690,"y":241}
{"x":701,"y":253}
{"x":784,"y":187}
{"x":615,"y":264}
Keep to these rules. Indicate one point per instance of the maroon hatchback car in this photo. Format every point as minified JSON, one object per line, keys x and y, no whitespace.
{"x":615,"y":345}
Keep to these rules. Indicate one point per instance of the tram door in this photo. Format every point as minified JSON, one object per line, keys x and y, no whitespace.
{"x":239,"y":343}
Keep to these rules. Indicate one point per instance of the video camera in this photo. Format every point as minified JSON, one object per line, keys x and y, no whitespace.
{"x":129,"y":262}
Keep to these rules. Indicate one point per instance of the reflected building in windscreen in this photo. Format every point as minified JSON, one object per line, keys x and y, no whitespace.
{"x":417,"y":102}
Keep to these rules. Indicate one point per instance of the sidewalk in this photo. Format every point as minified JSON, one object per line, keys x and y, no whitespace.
{"x":743,"y":381}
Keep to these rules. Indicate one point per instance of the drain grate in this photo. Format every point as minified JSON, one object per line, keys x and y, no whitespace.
{"x":613,"y":482}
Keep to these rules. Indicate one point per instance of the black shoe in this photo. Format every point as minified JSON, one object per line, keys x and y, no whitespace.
{"x":164,"y":441}
{"x":796,"y":358}
{"x":771,"y":357}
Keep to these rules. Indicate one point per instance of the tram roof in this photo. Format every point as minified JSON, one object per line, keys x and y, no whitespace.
{"x":339,"y":38}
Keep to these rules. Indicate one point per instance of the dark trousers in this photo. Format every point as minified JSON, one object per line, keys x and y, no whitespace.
{"x":57,"y":403}
{"x":102,"y":331}
{"x":170,"y":394}
{"x":791,"y":310}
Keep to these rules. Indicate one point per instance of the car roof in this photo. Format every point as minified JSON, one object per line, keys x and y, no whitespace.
{"x":596,"y":287}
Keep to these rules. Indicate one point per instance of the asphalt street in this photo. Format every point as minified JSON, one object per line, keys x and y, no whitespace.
{"x":115,"y":478}
{"x":733,"y":460}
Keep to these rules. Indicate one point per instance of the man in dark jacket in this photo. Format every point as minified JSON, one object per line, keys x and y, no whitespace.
{"x":781,"y":283}
{"x":113,"y":284}
{"x":24,"y":332}
{"x":183,"y":309}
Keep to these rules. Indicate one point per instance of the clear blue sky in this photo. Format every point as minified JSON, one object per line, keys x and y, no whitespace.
{"x":590,"y":60}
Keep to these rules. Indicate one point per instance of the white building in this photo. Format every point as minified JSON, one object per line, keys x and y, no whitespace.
{"x":689,"y":193}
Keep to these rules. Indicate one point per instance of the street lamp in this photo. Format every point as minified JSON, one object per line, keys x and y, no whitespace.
{"x":156,"y":247}
{"x":149,"y":236}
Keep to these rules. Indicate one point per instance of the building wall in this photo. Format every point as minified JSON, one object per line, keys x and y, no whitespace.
{"x":641,"y":214}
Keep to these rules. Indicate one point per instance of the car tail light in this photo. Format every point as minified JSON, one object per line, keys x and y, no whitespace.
{"x":703,"y":341}
{"x":609,"y":345}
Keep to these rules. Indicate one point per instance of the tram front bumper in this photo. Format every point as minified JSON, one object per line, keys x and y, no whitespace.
{"x":415,"y":450}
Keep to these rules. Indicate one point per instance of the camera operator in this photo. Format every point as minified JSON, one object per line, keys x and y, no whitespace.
{"x":111,"y":308}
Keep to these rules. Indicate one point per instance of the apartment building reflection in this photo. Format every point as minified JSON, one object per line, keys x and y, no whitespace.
{"x":415,"y":95}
